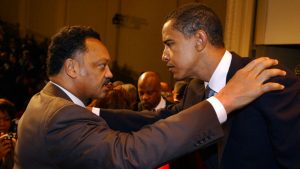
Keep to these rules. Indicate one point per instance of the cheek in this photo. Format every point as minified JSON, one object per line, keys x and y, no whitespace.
{"x":179,"y":57}
{"x":101,"y":77}
{"x":186,"y":60}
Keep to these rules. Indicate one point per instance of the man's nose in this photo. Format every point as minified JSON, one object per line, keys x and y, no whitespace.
{"x":165,"y":56}
{"x":145,"y":97}
{"x":108,"y":73}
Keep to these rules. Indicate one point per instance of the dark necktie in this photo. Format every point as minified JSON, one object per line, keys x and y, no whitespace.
{"x":220,"y":145}
{"x":209,"y":92}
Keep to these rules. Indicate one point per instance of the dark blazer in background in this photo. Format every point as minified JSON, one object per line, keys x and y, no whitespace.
{"x":141,"y":108}
{"x":266,"y":133}
{"x":56,"y":133}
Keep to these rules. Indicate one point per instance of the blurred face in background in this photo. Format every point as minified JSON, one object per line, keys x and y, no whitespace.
{"x":149,"y":93}
{"x":5,"y":122}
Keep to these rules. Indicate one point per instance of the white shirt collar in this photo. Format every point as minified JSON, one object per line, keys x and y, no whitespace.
{"x":218,"y":79}
{"x":161,"y":104}
{"x":72,"y":97}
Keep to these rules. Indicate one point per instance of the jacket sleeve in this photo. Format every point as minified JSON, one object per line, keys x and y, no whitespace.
{"x":128,"y":120}
{"x":77,"y":138}
{"x":281,"y":110}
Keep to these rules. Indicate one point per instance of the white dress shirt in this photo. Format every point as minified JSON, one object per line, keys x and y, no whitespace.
{"x":162,"y":104}
{"x":72,"y":97}
{"x":217,"y":82}
{"x":77,"y":101}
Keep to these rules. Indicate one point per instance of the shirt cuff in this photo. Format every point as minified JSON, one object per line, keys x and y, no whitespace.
{"x":96,"y":111}
{"x":219,"y":109}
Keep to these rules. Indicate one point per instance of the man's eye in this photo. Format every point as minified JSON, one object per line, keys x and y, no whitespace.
{"x":169,"y":44}
{"x":101,"y":66}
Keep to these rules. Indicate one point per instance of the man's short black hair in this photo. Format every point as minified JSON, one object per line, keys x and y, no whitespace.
{"x":192,"y":17}
{"x":65,"y":43}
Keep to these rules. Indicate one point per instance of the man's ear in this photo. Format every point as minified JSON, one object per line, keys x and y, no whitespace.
{"x":201,"y":40}
{"x":71,"y":67}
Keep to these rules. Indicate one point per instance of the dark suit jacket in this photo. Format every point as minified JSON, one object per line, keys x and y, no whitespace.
{"x":141,"y":108}
{"x":56,"y":133}
{"x":266,"y":133}
{"x":194,"y":93}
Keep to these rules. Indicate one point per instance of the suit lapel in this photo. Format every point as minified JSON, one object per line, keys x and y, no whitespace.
{"x":237,"y":63}
{"x":194,"y":93}
{"x":51,"y":89}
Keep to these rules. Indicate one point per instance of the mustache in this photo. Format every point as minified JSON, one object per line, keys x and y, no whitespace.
{"x":107,"y":82}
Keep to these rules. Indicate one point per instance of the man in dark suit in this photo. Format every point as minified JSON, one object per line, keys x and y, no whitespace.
{"x":149,"y":91}
{"x":57,"y":131}
{"x":264,"y":134}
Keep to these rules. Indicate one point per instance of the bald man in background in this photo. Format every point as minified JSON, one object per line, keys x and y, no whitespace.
{"x":149,"y":90}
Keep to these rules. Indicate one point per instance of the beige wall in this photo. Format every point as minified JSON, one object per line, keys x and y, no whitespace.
{"x":9,"y":10}
{"x":278,"y":22}
{"x":136,"y":43}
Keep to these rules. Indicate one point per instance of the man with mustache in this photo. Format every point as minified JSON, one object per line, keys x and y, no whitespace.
{"x":58,"y":131}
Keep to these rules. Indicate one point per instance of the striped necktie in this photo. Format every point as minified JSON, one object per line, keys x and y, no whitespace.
{"x":209,"y":92}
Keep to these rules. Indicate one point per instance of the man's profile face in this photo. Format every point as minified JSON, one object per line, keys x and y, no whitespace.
{"x":149,"y":94}
{"x":179,"y":53}
{"x":94,"y":72}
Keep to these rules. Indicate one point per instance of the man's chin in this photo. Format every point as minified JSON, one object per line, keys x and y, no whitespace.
{"x":178,"y":77}
{"x":103,"y":92}
{"x":148,"y":107}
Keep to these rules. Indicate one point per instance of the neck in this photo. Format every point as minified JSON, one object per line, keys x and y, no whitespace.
{"x":210,"y":62}
{"x":68,"y":85}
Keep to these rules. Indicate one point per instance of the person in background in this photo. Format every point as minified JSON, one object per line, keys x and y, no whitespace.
{"x":149,"y":91}
{"x":7,"y":135}
{"x":166,"y":91}
{"x":133,"y":95}
{"x":58,"y":131}
{"x":116,"y":98}
{"x":179,"y":89}
{"x":117,"y":83}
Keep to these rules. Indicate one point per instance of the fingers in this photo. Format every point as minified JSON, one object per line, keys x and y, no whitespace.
{"x":5,"y":146}
{"x":268,"y":73}
{"x":271,"y":87}
{"x":14,"y":141}
{"x":261,"y":64}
